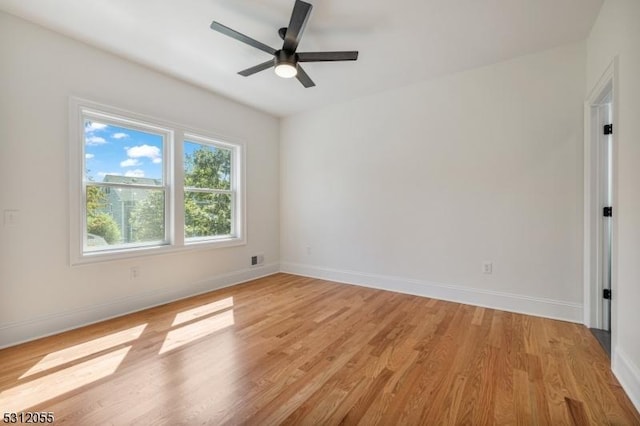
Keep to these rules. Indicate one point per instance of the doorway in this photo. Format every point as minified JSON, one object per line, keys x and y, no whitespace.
{"x":600,"y":210}
{"x":603,"y":112}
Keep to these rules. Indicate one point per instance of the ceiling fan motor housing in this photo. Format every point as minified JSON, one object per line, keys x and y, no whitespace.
{"x":282,"y":57}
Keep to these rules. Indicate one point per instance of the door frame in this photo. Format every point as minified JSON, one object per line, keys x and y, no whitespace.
{"x":607,"y":84}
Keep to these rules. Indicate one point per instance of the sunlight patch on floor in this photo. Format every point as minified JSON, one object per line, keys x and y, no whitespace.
{"x":34,"y":392}
{"x":191,"y":332}
{"x":72,"y":353}
{"x":201,"y":311}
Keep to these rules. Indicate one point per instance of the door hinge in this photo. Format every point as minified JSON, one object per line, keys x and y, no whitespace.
{"x":606,"y":293}
{"x":607,"y":211}
{"x":608,"y":129}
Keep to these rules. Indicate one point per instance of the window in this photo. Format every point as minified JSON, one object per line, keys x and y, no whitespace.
{"x":209,"y":195}
{"x":124,"y":185}
{"x":141,"y":185}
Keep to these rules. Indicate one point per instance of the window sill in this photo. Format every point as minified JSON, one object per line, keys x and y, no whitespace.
{"x":124,"y":254}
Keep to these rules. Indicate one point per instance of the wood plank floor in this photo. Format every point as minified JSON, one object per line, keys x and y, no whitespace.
{"x":292,"y":350}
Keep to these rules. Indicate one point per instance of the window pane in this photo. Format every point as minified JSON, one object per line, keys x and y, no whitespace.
{"x":207,"y":215}
{"x":124,"y":217}
{"x":206,"y":166}
{"x":120,"y":154}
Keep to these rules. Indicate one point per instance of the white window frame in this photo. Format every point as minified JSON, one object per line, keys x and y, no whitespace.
{"x":173,"y":183}
{"x":168,"y":139}
{"x":233,"y":191}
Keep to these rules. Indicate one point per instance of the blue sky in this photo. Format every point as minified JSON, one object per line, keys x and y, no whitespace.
{"x":117,"y":150}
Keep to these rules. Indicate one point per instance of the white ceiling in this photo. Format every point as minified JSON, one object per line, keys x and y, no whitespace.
{"x":400,"y":42}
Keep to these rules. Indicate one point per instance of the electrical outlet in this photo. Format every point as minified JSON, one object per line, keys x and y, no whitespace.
{"x":487,"y":267}
{"x":134,"y":273}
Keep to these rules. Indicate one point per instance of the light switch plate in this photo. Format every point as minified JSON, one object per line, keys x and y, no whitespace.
{"x":11,"y":217}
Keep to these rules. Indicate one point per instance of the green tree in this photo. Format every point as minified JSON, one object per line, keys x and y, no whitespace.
{"x":98,"y":221}
{"x":96,"y":199}
{"x":147,"y":218}
{"x":102,"y":224}
{"x":205,"y":213}
{"x":208,"y":167}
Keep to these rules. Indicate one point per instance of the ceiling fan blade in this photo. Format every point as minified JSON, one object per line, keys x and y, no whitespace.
{"x":327,"y":56}
{"x":217,"y":26}
{"x":304,"y":78}
{"x":299,"y":16}
{"x":260,"y":67}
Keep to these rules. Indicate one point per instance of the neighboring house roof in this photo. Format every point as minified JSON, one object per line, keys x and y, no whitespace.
{"x":130,"y":194}
{"x":131,"y":179}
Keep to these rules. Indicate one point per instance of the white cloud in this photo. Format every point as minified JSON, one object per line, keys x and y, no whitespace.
{"x":120,"y":135}
{"x":134,"y":173}
{"x":93,"y":126}
{"x":89,"y":156}
{"x":130,"y":162}
{"x":95,"y":140}
{"x":157,"y":160}
{"x":148,"y":151}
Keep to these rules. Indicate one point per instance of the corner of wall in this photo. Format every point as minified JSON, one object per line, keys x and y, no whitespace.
{"x":628,"y":375}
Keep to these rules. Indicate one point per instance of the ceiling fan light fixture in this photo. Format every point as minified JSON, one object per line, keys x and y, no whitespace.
{"x":285,"y":64}
{"x":286,"y":70}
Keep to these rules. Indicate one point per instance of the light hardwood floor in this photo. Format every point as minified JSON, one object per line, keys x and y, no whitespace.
{"x":294,"y":350}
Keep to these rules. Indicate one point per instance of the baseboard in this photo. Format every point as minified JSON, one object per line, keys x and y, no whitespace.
{"x":24,"y":331}
{"x":548,"y":308}
{"x":628,"y":375}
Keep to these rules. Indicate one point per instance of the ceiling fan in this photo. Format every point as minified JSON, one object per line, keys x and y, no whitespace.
{"x":286,"y":60}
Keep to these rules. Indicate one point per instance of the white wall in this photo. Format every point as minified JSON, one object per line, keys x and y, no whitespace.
{"x":616,"y":32}
{"x":39,"y":291}
{"x":412,"y":189}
